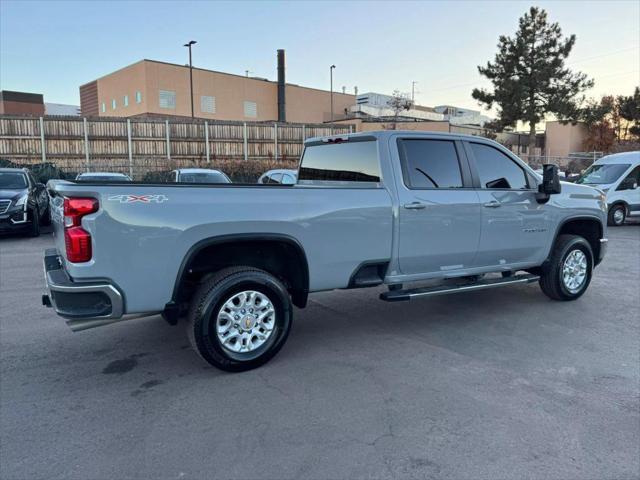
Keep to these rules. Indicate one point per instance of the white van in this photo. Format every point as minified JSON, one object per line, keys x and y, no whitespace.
{"x":618,"y":176}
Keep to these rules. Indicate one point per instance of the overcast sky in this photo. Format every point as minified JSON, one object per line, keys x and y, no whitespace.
{"x":53,"y":47}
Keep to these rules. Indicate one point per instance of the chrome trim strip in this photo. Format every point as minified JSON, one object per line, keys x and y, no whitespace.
{"x":6,"y":208}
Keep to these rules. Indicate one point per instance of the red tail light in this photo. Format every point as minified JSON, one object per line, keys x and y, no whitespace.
{"x":76,"y":239}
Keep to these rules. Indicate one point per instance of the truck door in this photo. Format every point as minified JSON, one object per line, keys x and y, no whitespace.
{"x":439,"y":218}
{"x":515,"y":227}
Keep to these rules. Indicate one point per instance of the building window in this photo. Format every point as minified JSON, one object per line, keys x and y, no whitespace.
{"x":104,"y":107}
{"x":167,"y":99}
{"x":125,"y":101}
{"x":250,"y":109}
{"x":113,"y":104}
{"x":207,"y":104}
{"x":138,"y":97}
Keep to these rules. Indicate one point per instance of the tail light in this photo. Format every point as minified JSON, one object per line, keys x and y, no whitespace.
{"x":76,"y":239}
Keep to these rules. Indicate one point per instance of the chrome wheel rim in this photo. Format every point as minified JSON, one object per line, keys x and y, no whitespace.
{"x":574,"y":271}
{"x":618,"y":216}
{"x":245,"y":321}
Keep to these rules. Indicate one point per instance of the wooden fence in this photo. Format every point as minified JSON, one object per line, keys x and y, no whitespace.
{"x":139,"y":145}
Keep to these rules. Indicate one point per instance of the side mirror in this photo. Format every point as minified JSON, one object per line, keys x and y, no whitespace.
{"x":550,"y":180}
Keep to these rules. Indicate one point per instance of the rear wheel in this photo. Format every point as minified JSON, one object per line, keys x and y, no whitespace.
{"x":570,"y":267}
{"x":239,"y":318}
{"x":617,"y":215}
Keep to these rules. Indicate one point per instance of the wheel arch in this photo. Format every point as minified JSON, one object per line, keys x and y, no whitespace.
{"x":271,"y":252}
{"x":587,"y":226}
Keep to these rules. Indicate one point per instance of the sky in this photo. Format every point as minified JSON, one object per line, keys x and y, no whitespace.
{"x":53,"y":47}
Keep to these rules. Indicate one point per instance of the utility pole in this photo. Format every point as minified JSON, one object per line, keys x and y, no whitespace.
{"x":331,"y":87}
{"x":413,"y":91}
{"x":188,"y":45}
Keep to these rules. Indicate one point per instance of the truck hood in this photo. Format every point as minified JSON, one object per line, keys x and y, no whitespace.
{"x":12,"y":194}
{"x":581,"y":190}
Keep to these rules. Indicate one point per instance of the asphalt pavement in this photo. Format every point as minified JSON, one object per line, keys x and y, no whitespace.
{"x":496,"y":384}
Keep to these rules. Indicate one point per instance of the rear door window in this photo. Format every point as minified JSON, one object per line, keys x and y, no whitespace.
{"x":350,"y":161}
{"x":430,"y":164}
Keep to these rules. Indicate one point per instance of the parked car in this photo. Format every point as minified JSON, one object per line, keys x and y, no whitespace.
{"x":618,"y":176}
{"x":24,"y":203}
{"x":199,"y":175}
{"x":280,"y":175}
{"x":102,"y":177}
{"x":373,"y":208}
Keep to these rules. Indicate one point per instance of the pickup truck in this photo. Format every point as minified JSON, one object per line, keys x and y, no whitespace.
{"x":396,"y":208}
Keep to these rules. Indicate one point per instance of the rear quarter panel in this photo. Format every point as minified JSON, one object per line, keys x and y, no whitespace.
{"x":140,"y":246}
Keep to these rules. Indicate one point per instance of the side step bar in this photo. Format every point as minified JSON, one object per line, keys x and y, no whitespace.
{"x":408,"y":294}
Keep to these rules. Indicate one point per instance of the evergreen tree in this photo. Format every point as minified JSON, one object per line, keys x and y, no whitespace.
{"x":529,"y":76}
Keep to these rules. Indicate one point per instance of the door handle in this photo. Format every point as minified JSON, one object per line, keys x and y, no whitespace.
{"x":493,"y":204}
{"x":414,"y":206}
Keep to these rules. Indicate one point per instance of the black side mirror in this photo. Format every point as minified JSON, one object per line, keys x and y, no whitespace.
{"x":550,"y":180}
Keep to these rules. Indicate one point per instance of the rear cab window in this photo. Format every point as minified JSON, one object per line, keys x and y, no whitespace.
{"x":352,"y":162}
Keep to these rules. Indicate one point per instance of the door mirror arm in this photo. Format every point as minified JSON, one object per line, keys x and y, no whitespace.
{"x":550,"y":183}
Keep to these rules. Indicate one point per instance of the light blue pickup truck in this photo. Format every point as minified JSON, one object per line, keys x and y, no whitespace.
{"x":396,"y":208}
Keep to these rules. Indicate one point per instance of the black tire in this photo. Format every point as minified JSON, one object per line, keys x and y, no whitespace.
{"x":210,"y":298}
{"x":617,"y":215}
{"x":46,"y":217}
{"x":34,"y":231}
{"x":551,"y":280}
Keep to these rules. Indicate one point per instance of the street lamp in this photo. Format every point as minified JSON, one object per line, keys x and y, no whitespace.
{"x":331,"y":87}
{"x":188,"y":45}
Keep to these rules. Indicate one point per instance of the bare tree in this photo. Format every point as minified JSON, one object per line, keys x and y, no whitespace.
{"x":399,"y":102}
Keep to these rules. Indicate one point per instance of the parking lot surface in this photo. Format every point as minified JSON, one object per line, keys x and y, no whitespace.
{"x":497,"y":384}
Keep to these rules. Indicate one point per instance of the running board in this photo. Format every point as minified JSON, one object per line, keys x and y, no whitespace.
{"x":403,"y":295}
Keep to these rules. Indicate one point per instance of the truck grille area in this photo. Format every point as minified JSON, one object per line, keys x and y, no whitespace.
{"x":4,"y":205}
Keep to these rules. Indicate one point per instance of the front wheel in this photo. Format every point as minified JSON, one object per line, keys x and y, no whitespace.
{"x":34,"y":231}
{"x":570,"y":267}
{"x":239,"y":318}
{"x":617,"y":215}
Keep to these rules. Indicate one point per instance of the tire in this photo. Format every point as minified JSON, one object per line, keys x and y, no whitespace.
{"x":617,"y":215}
{"x":554,"y":283}
{"x":34,"y":231}
{"x":46,"y":217}
{"x":213,"y":298}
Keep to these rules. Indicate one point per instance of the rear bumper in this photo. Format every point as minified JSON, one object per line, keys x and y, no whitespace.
{"x":83,"y":305}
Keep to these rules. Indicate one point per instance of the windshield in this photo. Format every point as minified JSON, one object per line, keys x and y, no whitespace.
{"x":203,"y":177}
{"x":103,"y":178}
{"x":603,"y":174}
{"x":11,"y":180}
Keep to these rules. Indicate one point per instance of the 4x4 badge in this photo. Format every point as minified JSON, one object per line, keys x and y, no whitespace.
{"x":138,"y":198}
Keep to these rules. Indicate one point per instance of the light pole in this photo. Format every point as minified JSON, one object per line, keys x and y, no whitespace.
{"x":188,"y":45}
{"x":331,"y":88}
{"x":413,"y":91}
